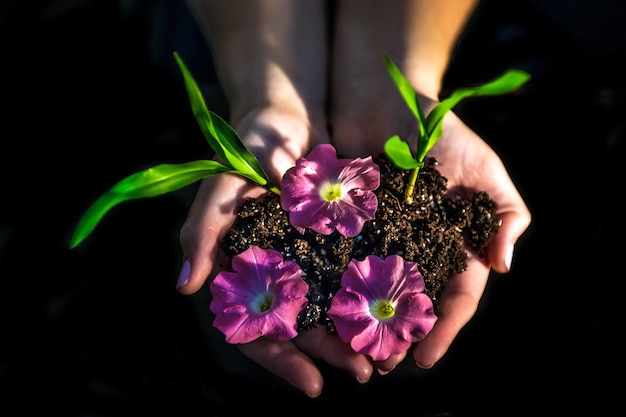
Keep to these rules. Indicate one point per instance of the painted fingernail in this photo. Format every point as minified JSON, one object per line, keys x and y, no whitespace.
{"x":183,"y":277}
{"x":508,"y":257}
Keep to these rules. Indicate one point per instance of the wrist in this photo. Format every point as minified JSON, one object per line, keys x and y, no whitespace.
{"x":279,"y":134}
{"x":278,"y":94}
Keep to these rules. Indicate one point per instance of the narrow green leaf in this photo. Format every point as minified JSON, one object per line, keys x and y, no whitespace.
{"x":408,"y":93}
{"x":507,"y":82}
{"x":220,"y":135}
{"x":238,"y":155}
{"x":400,"y":154}
{"x":158,"y":180}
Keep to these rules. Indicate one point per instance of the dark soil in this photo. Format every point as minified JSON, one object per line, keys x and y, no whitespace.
{"x":434,"y":231}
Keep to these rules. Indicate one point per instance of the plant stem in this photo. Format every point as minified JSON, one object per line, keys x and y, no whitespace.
{"x":274,"y":189}
{"x":408,"y":193}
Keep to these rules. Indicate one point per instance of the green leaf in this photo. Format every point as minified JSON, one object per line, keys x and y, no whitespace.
{"x":400,"y":154}
{"x":408,"y":93}
{"x":220,"y":135}
{"x":158,"y":180}
{"x":507,"y":82}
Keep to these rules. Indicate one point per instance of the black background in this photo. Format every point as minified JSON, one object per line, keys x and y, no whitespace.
{"x":90,"y":94}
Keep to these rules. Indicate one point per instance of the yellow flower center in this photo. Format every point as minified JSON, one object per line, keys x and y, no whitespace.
{"x":382,"y":309}
{"x":331,"y":191}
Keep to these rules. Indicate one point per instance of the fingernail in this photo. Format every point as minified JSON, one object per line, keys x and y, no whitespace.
{"x":362,"y":380}
{"x":383,"y":372}
{"x":508,"y":257}
{"x":183,"y":277}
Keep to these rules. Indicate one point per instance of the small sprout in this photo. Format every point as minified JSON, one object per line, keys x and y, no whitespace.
{"x":431,"y":126}
{"x":165,"y":178}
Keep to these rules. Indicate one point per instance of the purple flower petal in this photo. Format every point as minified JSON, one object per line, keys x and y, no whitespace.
{"x":262,"y":297}
{"x":369,"y":284}
{"x":325,"y":193}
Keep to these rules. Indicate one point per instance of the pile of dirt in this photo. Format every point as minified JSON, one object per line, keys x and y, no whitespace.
{"x":434,"y":231}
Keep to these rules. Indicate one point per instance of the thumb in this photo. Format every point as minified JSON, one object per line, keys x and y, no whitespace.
{"x":202,"y":259}
{"x":500,"y":250}
{"x":211,"y":215}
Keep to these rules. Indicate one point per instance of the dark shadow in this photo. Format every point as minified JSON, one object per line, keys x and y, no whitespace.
{"x":91,"y":93}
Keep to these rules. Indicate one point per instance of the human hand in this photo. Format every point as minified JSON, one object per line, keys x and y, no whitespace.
{"x":470,"y":165}
{"x":277,"y":137}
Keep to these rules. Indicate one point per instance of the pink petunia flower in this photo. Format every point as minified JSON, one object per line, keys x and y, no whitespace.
{"x":262,"y":297}
{"x":324,"y":193}
{"x":381,"y":308}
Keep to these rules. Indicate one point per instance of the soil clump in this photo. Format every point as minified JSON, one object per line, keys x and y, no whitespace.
{"x":434,"y":231}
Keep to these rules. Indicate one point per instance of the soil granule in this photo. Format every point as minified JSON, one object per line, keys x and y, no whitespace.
{"x":434,"y":231}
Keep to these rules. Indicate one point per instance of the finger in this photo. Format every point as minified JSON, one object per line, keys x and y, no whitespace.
{"x":211,"y":214}
{"x":479,"y":167}
{"x":389,"y":364}
{"x":500,"y":250}
{"x":284,"y":360}
{"x":320,"y":344}
{"x":512,"y":212}
{"x":457,"y":306}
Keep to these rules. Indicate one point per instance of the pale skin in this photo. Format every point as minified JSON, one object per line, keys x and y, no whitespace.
{"x":290,"y":87}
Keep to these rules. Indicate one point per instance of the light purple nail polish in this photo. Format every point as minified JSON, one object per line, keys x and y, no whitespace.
{"x":183,"y":277}
{"x":508,"y":257}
